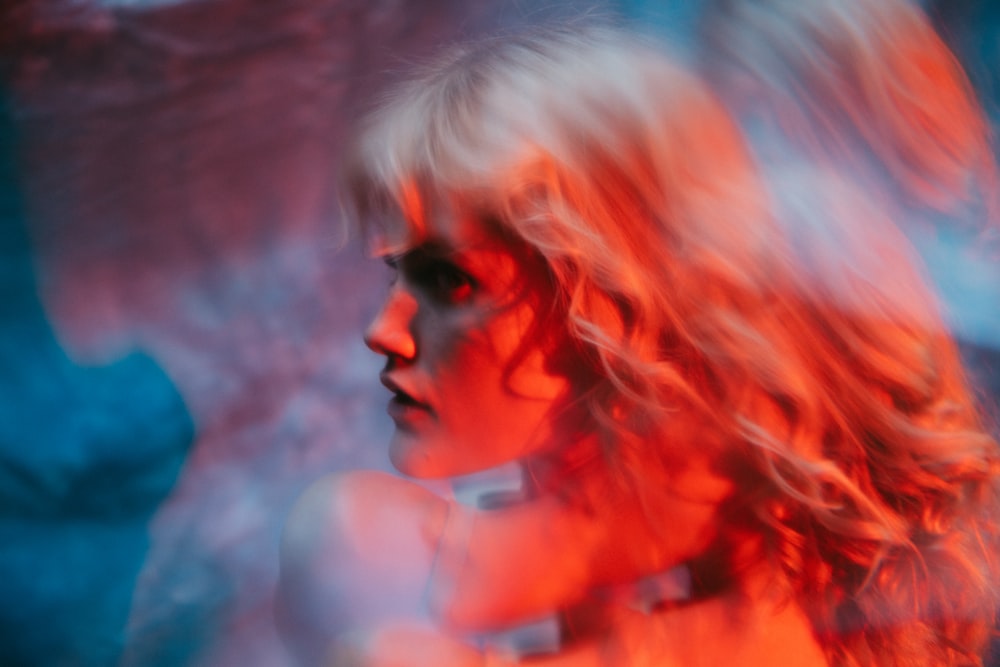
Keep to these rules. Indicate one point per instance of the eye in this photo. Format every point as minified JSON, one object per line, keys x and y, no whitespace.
{"x":444,"y":281}
{"x":392,"y":269}
{"x":435,"y":274}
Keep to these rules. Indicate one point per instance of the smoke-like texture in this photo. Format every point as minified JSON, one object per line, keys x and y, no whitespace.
{"x":871,"y":92}
{"x":170,"y":224}
{"x":180,"y":336}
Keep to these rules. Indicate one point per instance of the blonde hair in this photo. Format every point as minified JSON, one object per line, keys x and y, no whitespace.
{"x":833,"y":397}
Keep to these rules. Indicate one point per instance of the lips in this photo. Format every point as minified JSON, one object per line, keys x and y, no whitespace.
{"x":401,"y":397}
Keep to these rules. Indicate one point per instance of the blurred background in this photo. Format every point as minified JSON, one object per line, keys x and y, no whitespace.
{"x":180,"y":351}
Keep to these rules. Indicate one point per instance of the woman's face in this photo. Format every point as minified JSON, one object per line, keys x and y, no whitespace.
{"x":468,"y":359}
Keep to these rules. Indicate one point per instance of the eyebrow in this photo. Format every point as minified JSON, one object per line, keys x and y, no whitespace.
{"x":428,"y":249}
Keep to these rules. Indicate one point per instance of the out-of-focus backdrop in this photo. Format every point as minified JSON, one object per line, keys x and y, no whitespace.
{"x":180,"y":319}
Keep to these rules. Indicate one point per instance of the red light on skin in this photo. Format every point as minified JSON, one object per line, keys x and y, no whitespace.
{"x":360,"y":549}
{"x":522,"y":561}
{"x":466,"y":358}
{"x":372,"y":537}
{"x":406,"y":415}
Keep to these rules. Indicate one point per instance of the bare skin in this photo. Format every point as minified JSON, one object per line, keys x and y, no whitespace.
{"x":378,"y":571}
{"x":371,"y":567}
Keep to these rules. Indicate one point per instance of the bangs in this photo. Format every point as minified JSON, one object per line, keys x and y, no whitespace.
{"x":424,"y":144}
{"x":484,"y":124}
{"x":390,"y":216}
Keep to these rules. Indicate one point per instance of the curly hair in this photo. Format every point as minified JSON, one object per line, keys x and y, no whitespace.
{"x":798,"y":332}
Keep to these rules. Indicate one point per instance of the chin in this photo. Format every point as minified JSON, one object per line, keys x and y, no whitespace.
{"x":414,"y":458}
{"x":420,"y":459}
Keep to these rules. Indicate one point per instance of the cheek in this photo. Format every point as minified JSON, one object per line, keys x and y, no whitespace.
{"x":520,"y":351}
{"x":533,"y":381}
{"x":473,"y":348}
{"x":455,"y":351}
{"x":495,"y":392}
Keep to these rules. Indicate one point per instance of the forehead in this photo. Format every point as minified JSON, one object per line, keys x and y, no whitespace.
{"x":475,"y":240}
{"x":436,"y":222}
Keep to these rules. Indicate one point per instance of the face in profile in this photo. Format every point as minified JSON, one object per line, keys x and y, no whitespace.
{"x":469,"y":351}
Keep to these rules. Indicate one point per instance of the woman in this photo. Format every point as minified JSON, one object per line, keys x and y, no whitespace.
{"x":738,"y":446}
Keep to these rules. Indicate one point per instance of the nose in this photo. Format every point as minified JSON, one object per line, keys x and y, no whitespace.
{"x":391,"y":332}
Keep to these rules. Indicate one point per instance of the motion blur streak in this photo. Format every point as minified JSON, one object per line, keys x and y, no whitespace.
{"x":87,"y":455}
{"x":869,"y":90}
{"x":180,"y":346}
{"x":174,"y":163}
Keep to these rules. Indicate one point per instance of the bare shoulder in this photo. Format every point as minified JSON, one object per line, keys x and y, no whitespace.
{"x":361,"y":513}
{"x":357,"y":551}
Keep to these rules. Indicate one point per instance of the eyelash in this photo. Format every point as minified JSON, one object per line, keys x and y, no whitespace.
{"x":441,"y":279}
{"x":444,"y":281}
